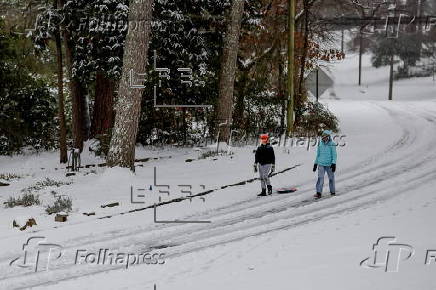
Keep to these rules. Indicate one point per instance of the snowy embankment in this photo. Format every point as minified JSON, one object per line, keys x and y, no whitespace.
{"x":385,"y":180}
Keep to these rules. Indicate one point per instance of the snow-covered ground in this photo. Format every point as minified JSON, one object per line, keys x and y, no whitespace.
{"x":385,"y":183}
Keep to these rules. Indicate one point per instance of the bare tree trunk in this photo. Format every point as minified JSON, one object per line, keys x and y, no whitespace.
{"x":63,"y":158}
{"x":282,"y":93}
{"x":128,"y":107}
{"x":77,"y":94}
{"x":291,"y":56}
{"x":184,"y":126}
{"x":103,"y":114}
{"x":78,"y":106}
{"x":303,"y":58}
{"x":238,"y":115}
{"x":228,"y":69}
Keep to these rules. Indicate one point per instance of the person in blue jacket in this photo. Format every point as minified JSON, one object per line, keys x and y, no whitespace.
{"x":325,"y":162}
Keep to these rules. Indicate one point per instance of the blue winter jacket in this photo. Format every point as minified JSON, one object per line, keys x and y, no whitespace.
{"x":326,"y":153}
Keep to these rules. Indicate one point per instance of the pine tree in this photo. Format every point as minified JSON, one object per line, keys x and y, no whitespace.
{"x":63,"y":158}
{"x":48,"y":28}
{"x":101,"y":32}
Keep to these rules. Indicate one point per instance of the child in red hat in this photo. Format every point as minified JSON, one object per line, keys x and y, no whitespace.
{"x":265,"y":163}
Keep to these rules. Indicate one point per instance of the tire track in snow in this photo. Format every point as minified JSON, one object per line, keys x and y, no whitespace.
{"x":258,"y":216}
{"x":226,"y":227}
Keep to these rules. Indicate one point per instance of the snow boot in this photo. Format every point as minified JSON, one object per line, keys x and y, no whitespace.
{"x":263,"y":193}
{"x":269,"y":189}
{"x":317,"y":195}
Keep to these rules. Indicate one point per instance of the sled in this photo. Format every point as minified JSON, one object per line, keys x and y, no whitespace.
{"x":285,"y":190}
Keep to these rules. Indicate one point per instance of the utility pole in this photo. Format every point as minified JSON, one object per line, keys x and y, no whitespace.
{"x":391,"y":76}
{"x":342,"y":40}
{"x":433,"y":70}
{"x":317,"y":84}
{"x":434,"y":60}
{"x":291,"y":46}
{"x":392,"y":13}
{"x":360,"y":55}
{"x":342,"y":36}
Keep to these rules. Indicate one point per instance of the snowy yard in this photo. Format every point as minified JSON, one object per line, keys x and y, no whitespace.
{"x":386,"y":181}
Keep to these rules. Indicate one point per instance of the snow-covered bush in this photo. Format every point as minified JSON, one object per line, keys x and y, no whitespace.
{"x":43,"y":184}
{"x":213,"y":153}
{"x":61,"y":204}
{"x":26,"y":200}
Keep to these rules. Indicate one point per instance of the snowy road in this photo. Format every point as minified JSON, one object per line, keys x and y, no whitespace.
{"x":408,"y":162}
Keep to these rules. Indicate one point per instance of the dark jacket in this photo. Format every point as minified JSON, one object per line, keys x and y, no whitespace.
{"x":265,"y":155}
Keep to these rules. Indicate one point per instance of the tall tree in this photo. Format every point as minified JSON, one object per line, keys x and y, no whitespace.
{"x":48,"y":28}
{"x":305,"y":32}
{"x":77,"y":99}
{"x":128,"y":107}
{"x":77,"y":91}
{"x":61,"y":103}
{"x":291,"y":46}
{"x":228,"y":70}
{"x":100,"y":34}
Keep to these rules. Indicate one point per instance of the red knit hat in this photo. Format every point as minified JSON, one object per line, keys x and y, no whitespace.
{"x":264,"y":137}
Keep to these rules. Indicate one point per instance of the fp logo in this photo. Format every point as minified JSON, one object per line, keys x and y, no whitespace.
{"x":37,"y":254}
{"x":387,"y":254}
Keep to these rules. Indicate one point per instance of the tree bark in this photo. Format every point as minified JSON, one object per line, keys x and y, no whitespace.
{"x":303,"y":58}
{"x":291,"y":46}
{"x":77,"y":94}
{"x":63,"y":157}
{"x":238,"y":115}
{"x":228,"y":70}
{"x":78,"y":106}
{"x":103,"y":114}
{"x":128,"y":107}
{"x":282,"y":95}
